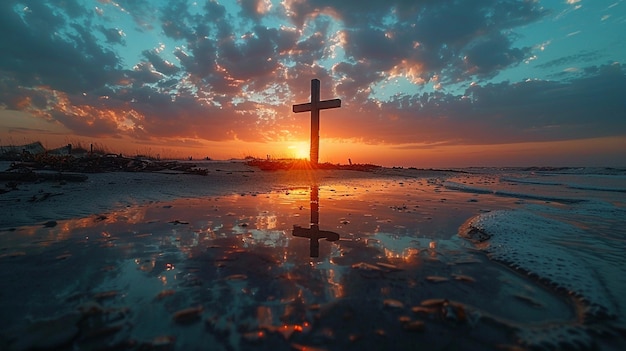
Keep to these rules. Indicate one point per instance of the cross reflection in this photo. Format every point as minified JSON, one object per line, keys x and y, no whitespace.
{"x":313,"y":232}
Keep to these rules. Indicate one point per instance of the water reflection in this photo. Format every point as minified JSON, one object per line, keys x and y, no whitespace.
{"x":231,"y":263}
{"x":313,"y":233}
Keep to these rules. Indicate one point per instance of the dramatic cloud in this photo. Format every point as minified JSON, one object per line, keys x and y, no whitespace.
{"x":409,"y":72}
{"x":532,"y":110}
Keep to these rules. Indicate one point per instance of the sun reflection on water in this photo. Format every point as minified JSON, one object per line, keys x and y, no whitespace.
{"x":238,"y":258}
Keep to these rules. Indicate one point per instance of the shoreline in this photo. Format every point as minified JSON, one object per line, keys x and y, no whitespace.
{"x":38,"y":202}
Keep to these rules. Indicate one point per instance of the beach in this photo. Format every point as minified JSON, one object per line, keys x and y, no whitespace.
{"x":42,"y":201}
{"x":390,"y":258}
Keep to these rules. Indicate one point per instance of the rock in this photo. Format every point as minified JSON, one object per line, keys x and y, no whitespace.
{"x":188,"y":315}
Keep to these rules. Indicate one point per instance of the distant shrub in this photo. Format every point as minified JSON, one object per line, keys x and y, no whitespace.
{"x":300,"y":164}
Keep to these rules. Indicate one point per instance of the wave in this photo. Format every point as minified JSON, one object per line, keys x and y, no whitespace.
{"x":552,"y":252}
{"x":529,"y":242}
{"x":567,"y":185}
{"x":476,"y":190}
{"x":612,"y":171}
{"x":576,"y":170}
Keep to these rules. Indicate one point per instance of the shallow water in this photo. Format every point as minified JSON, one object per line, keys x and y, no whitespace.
{"x":228,"y":272}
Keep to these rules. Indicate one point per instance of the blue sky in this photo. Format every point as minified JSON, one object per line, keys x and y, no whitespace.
{"x":219,"y":77}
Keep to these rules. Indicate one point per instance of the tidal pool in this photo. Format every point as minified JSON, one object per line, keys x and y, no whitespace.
{"x":389,"y":271}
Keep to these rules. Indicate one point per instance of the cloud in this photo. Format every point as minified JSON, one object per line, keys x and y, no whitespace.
{"x":113,"y":35}
{"x":35,"y":53}
{"x":435,"y":36}
{"x":487,"y":56}
{"x":255,"y":9}
{"x":581,"y":57}
{"x":232,"y":74}
{"x":533,"y":110}
{"x":160,"y":65}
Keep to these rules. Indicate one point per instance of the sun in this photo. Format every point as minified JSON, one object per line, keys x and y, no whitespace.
{"x":300,"y":150}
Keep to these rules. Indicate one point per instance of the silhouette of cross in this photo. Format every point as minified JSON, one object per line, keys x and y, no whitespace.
{"x":315,"y":106}
{"x":315,"y":235}
{"x":313,"y":232}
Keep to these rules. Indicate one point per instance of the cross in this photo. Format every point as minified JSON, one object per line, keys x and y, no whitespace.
{"x":314,"y":233}
{"x":315,"y":106}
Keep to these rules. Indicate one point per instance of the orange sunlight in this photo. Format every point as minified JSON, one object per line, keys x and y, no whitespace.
{"x":19,"y":128}
{"x":299,"y":150}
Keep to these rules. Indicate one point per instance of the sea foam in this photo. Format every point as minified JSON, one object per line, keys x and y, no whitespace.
{"x":531,"y":243}
{"x":575,"y":251}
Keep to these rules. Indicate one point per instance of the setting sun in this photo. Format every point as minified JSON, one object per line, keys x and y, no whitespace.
{"x":299,"y":150}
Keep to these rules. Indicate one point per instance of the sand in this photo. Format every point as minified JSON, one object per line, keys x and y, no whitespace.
{"x":469,"y":260}
{"x":39,"y":202}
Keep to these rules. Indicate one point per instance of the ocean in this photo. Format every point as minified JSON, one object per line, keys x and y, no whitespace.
{"x":474,"y":259}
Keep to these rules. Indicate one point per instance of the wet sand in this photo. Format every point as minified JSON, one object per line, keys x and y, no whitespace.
{"x":175,"y":261}
{"x":39,"y":202}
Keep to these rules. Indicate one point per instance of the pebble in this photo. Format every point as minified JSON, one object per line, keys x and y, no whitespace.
{"x":106,"y":295}
{"x":165,"y":293}
{"x":393,"y":303}
{"x":188,"y":315}
{"x":465,"y":278}
{"x":423,"y":310}
{"x":404,"y":319}
{"x":436,"y":279}
{"x":433,"y":302}
{"x":63,"y":256}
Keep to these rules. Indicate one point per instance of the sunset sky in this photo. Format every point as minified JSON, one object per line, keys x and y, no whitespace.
{"x":424,"y":83}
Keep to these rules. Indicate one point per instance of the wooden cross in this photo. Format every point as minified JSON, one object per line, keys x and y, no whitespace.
{"x":315,"y":106}
{"x":313,"y":232}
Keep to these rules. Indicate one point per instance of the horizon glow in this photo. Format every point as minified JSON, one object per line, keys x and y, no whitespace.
{"x":444,"y":84}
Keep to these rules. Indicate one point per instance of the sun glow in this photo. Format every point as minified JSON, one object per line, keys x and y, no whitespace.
{"x":299,"y":150}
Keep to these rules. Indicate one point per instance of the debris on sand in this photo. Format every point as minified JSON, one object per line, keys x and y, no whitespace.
{"x":289,"y":164}
{"x":68,"y":168}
